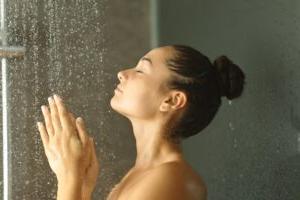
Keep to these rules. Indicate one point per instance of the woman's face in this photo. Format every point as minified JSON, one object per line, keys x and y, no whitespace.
{"x":143,"y":86}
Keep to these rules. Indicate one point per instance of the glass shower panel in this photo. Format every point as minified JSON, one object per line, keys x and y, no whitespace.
{"x":65,"y":43}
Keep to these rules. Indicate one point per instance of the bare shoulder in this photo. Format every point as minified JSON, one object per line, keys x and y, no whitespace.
{"x":172,"y":180}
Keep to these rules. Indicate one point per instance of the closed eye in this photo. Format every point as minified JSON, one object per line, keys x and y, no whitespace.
{"x":138,"y":71}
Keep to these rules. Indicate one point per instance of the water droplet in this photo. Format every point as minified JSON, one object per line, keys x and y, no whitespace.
{"x":231,"y":126}
{"x":235,"y":143}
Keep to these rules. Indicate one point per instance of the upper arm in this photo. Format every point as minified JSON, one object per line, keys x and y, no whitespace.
{"x":166,"y":184}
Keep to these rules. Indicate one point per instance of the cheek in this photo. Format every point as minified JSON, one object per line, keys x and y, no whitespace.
{"x":142,"y":100}
{"x":139,"y":102}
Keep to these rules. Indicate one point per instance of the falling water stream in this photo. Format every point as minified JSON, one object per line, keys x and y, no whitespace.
{"x":64,"y":52}
{"x":73,"y":48}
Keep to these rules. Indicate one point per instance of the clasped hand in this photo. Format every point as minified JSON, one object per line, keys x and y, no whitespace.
{"x":69,"y":150}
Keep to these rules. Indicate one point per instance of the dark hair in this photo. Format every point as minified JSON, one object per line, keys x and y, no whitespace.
{"x":204,"y":84}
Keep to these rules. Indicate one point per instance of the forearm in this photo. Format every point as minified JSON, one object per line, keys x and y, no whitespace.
{"x":86,"y":193}
{"x":69,"y":190}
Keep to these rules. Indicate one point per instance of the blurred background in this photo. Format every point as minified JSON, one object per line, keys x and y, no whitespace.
{"x":74,"y":48}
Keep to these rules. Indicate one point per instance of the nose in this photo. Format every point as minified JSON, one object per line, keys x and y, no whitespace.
{"x":120,"y":75}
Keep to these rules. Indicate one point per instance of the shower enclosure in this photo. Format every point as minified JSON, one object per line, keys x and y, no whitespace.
{"x":73,"y":48}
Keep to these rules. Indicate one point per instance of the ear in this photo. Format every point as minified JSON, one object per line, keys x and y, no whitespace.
{"x":174,"y":101}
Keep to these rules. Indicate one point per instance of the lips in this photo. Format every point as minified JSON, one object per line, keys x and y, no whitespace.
{"x":119,"y":88}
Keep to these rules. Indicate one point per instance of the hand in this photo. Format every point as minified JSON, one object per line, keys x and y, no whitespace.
{"x":92,"y":171}
{"x":90,"y":177}
{"x":67,"y":149}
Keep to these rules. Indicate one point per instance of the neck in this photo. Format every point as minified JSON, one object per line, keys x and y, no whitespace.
{"x":152,"y":148}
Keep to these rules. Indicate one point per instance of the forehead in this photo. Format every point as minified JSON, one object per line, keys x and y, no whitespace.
{"x":159,"y":56}
{"x":161,"y":72}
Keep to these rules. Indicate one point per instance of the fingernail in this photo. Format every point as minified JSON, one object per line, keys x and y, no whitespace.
{"x":43,"y":108}
{"x":56,"y":97}
{"x":50,"y":100}
{"x":38,"y":124}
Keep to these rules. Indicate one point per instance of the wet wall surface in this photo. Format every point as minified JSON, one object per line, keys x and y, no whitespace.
{"x":251,"y":150}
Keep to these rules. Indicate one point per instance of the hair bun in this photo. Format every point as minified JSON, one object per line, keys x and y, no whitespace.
{"x":231,"y":77}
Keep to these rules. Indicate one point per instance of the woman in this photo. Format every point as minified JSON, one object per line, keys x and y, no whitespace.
{"x":173,"y":93}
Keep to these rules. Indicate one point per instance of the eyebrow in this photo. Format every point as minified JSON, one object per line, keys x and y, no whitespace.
{"x":147,"y":59}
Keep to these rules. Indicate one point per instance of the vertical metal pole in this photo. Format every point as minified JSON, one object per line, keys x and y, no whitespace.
{"x":4,"y":103}
{"x":5,"y":130}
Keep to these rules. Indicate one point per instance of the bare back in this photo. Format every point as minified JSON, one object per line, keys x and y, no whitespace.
{"x":175,"y":176}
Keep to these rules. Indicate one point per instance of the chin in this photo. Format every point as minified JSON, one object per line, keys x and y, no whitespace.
{"x":115,"y":105}
{"x":122,"y":110}
{"x":112,"y":103}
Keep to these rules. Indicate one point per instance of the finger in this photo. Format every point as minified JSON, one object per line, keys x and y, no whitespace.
{"x":48,"y":121}
{"x":81,"y":130}
{"x":89,"y":151}
{"x":56,"y":122}
{"x":64,"y":116}
{"x":72,"y":118}
{"x":43,"y":134}
{"x":93,"y":148}
{"x":94,"y":155}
